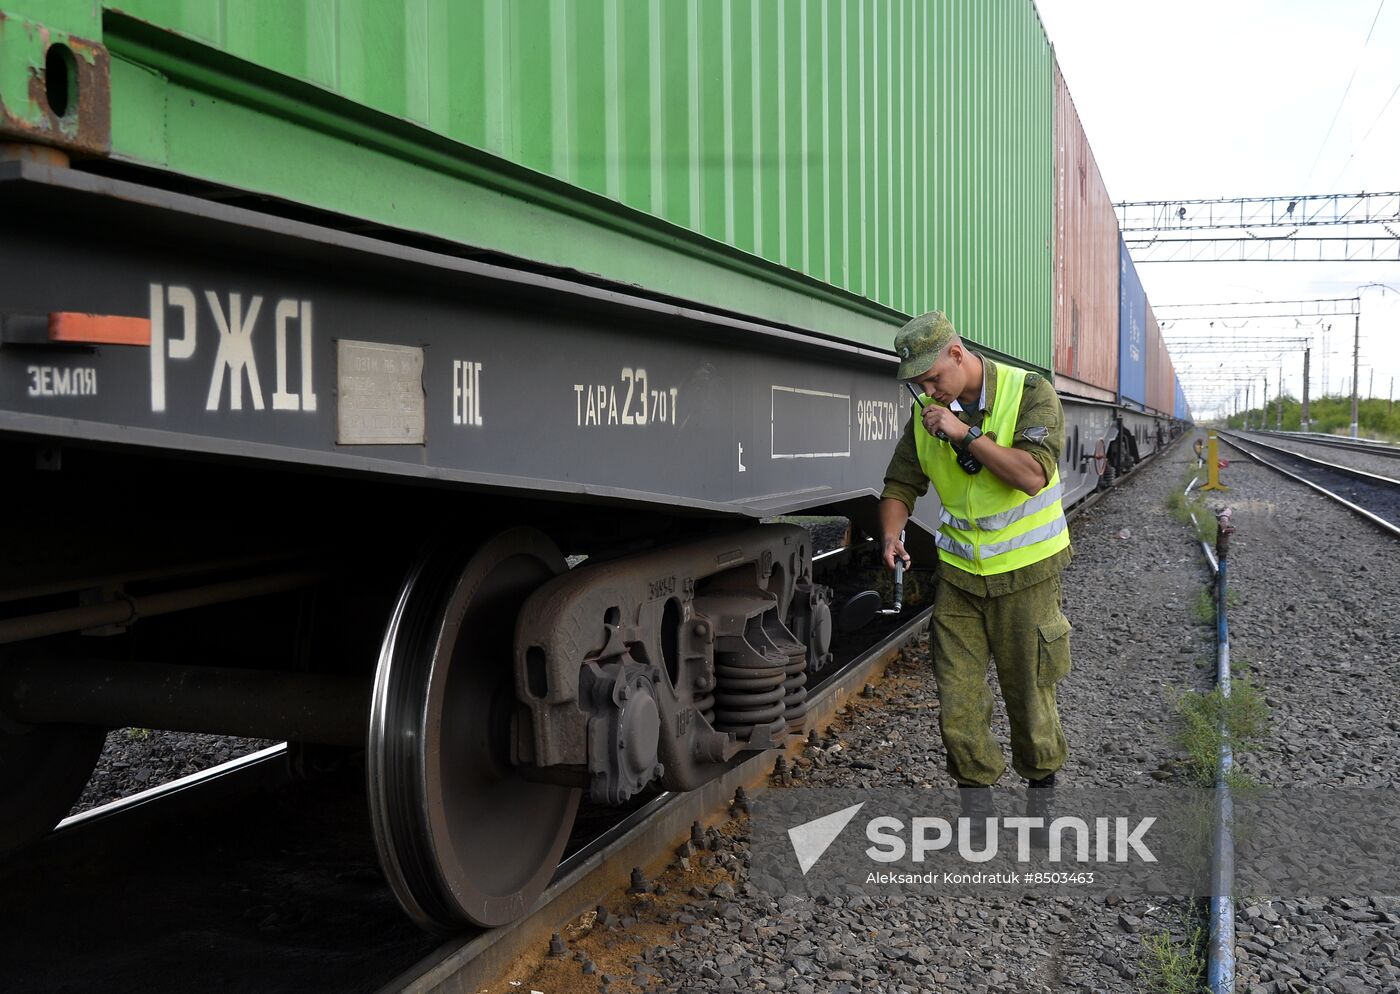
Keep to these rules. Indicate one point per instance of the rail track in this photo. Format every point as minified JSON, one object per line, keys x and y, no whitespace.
{"x":470,"y":963}
{"x":1385,"y":450}
{"x":592,"y":869}
{"x":647,"y":835}
{"x":123,"y":834}
{"x":1375,"y":498}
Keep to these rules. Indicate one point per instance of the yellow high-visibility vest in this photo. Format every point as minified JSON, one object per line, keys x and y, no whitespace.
{"x":987,"y":526}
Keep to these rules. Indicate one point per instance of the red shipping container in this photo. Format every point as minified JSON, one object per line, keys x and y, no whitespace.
{"x":1085,"y":306}
{"x":1161,"y":395}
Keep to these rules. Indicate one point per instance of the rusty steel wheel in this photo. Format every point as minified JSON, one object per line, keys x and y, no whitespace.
{"x":462,"y":838}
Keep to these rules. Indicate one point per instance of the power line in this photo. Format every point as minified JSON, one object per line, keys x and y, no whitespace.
{"x":1235,"y":310}
{"x":1343,"y":101}
{"x":1347,"y":165}
{"x":1255,"y":303}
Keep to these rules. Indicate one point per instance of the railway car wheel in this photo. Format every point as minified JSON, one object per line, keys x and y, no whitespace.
{"x":44,"y":769}
{"x":462,"y":838}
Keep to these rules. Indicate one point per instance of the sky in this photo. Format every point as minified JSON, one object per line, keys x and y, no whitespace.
{"x":1235,"y":98}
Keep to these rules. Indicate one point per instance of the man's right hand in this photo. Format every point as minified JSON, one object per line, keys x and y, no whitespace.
{"x":895,"y":554}
{"x":893,"y":516}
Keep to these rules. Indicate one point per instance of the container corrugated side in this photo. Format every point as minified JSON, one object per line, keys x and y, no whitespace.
{"x":1159,"y":367}
{"x":1163,"y":391}
{"x":1132,"y":331}
{"x":1086,"y":255}
{"x":897,"y":153}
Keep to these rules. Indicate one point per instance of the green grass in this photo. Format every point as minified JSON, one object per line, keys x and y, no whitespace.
{"x":1206,"y":526}
{"x":1377,"y":417}
{"x":1203,"y":608}
{"x":1239,"y":781}
{"x":1192,"y":511}
{"x":138,"y":734}
{"x":1169,"y":966}
{"x":1209,"y":720}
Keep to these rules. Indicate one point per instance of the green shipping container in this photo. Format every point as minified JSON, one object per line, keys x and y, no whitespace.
{"x":827,"y":164}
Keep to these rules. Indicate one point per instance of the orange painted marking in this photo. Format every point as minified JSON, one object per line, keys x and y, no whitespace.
{"x":99,"y":329}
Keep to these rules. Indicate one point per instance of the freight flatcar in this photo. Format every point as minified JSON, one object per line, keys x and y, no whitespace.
{"x":328,"y":331}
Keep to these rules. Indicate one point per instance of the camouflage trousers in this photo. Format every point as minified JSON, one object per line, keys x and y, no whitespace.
{"x":1028,"y":636}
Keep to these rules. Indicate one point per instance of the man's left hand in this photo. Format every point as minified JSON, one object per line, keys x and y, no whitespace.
{"x":941,"y":419}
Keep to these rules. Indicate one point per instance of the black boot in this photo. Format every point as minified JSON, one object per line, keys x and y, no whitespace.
{"x":1038,"y":806}
{"x":976,"y":804}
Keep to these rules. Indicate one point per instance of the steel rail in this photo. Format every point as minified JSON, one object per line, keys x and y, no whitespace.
{"x":1371,"y":516}
{"x":100,"y":829}
{"x":474,"y":960}
{"x":1359,"y":474}
{"x":598,"y":868}
{"x":1383,"y":449}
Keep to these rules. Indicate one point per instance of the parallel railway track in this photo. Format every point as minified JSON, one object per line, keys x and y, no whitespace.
{"x":1375,"y":498}
{"x":1385,"y":450}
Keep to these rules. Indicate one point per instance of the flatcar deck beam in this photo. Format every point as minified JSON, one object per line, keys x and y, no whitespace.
{"x":282,"y":342}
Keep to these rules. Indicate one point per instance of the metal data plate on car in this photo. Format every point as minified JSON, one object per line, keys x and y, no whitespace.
{"x":379,"y":394}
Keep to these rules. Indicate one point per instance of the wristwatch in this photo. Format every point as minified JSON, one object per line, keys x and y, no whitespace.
{"x":973,"y":434}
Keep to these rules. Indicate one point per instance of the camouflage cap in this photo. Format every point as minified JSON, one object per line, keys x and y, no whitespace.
{"x":918,"y":343}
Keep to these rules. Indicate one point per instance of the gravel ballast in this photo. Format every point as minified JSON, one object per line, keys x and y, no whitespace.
{"x":1314,"y":622}
{"x":1129,"y":592}
{"x":137,"y":759}
{"x":1367,"y":462}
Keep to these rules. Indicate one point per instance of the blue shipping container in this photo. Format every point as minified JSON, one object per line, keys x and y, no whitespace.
{"x":1132,"y":331}
{"x":1183,"y":413}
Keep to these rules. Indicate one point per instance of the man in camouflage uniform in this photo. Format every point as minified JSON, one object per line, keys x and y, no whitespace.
{"x":988,"y":437}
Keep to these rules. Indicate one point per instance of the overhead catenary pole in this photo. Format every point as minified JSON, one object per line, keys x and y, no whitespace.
{"x":1355,"y":374}
{"x":1303,"y":416}
{"x":1326,"y":356}
{"x":1280,"y":395}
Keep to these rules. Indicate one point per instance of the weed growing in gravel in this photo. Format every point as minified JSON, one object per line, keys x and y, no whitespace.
{"x":1203,"y":609}
{"x":1170,"y":966}
{"x":1210,"y":720}
{"x":1181,"y":508}
{"x":138,"y":734}
{"x":1239,"y":781}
